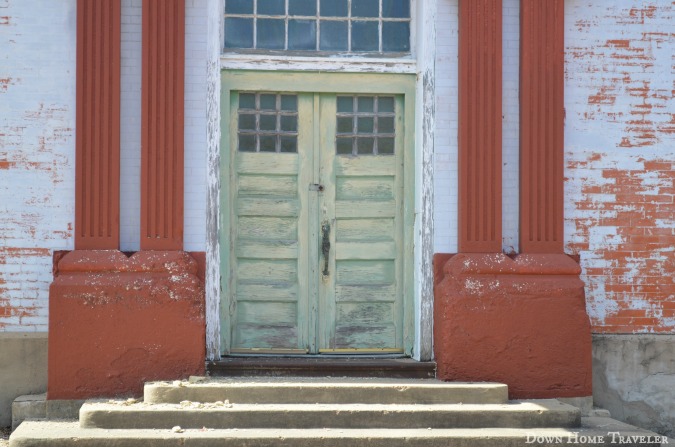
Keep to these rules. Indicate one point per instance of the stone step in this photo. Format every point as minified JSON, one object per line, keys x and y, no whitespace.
{"x":515,"y":414}
{"x":595,"y":432}
{"x":338,"y":391}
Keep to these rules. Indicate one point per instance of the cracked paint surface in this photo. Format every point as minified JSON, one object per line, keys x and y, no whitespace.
{"x":620,"y":156}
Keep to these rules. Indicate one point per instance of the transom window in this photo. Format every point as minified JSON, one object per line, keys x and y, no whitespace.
{"x":268,"y":122}
{"x":365,"y":125}
{"x":327,"y":26}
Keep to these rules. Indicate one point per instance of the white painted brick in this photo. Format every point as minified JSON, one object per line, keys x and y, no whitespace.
{"x":37,"y":141}
{"x":612,"y":49}
{"x":130,"y":123}
{"x":195,"y":126}
{"x":510,"y":125}
{"x":445,"y":179}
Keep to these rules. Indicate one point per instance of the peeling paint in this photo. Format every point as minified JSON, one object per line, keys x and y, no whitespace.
{"x":37,"y":89}
{"x":426,"y":127}
{"x":620,"y":140}
{"x":212,"y":280}
{"x":6,"y":82}
{"x":626,"y":245}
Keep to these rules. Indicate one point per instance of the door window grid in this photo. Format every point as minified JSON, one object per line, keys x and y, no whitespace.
{"x":353,"y":26}
{"x":268,"y":122}
{"x":366,"y":125}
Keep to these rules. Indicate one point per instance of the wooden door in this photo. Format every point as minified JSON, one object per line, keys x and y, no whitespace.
{"x":360,"y":296}
{"x":315,"y":224}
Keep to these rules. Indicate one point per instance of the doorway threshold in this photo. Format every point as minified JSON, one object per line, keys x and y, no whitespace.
{"x":321,"y":366}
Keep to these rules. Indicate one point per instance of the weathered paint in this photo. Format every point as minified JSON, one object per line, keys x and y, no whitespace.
{"x":162,"y":114}
{"x":541,"y":126}
{"x":212,"y":281}
{"x":480,"y":126}
{"x":620,"y":147}
{"x":289,"y":199}
{"x":424,"y":178}
{"x":117,"y":322}
{"x":21,"y":277}
{"x":350,"y":65}
{"x":619,"y":71}
{"x":514,"y":321}
{"x":363,"y":300}
{"x":269,"y":218}
{"x":37,"y":154}
{"x":97,"y":178}
{"x":422,"y":63}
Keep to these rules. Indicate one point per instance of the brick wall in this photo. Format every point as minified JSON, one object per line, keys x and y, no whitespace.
{"x":130,"y":126}
{"x":37,"y":153}
{"x":620,"y":154}
{"x":195,"y":125}
{"x":445,"y":144}
{"x":510,"y":124}
{"x":620,"y":149}
{"x":37,"y":144}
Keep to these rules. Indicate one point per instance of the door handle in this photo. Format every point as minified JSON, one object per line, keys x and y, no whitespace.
{"x":325,"y":246}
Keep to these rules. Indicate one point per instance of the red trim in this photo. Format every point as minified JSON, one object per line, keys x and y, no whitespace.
{"x":480,"y":126}
{"x":541,"y":126}
{"x":162,"y":113}
{"x":97,"y":141}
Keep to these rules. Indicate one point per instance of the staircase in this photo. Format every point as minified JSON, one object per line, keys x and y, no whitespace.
{"x":321,"y":412}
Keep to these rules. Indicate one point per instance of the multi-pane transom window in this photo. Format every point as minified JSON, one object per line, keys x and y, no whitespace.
{"x":366,"y":125}
{"x":334,"y":26}
{"x":268,"y":122}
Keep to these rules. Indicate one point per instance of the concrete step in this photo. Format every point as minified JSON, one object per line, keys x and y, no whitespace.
{"x":338,"y":391}
{"x":515,"y":414}
{"x":595,"y":432}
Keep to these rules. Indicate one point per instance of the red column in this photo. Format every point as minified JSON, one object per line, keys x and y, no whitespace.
{"x":480,"y":126}
{"x":162,"y":124}
{"x":97,"y":141}
{"x":541,"y":126}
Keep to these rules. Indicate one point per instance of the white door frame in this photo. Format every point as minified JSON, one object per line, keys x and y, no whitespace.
{"x":423,"y":64}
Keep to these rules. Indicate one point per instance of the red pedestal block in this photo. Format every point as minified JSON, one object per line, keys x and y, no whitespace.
{"x":116,"y":322}
{"x":518,"y":321}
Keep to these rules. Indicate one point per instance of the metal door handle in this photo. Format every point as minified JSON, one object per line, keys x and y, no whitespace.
{"x":325,"y":246}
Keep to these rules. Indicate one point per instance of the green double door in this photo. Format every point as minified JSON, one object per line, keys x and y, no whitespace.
{"x":316,"y":224}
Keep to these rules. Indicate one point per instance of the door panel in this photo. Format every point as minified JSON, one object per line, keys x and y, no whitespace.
{"x":269,"y":256}
{"x":361,"y":299}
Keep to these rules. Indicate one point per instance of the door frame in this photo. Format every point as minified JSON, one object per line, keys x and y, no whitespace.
{"x":307,"y":82}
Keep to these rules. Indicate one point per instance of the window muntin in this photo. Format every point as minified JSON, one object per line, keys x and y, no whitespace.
{"x":319,"y":26}
{"x":268,"y":122}
{"x":366,"y":125}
